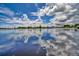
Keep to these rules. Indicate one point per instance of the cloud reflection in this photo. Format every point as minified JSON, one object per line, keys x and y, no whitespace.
{"x":54,"y":41}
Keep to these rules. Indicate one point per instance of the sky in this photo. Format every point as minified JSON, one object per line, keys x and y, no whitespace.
{"x":25,"y":14}
{"x":12,"y":10}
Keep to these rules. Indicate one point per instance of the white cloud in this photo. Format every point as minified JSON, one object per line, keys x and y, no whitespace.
{"x":74,"y":20}
{"x":25,"y":21}
{"x":62,"y":12}
{"x":6,"y":11}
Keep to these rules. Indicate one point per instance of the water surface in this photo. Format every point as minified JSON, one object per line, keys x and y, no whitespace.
{"x":36,"y":42}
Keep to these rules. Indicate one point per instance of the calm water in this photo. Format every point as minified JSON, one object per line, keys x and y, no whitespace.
{"x":36,"y":42}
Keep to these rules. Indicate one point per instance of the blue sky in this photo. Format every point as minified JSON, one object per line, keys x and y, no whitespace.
{"x":19,"y":9}
{"x":13,"y":13}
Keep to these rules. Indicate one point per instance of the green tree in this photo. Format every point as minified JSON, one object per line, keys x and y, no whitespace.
{"x":67,"y":26}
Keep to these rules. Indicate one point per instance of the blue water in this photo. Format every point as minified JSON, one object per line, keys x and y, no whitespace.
{"x":33,"y":42}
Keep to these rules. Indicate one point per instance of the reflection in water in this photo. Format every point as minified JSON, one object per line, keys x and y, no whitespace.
{"x":32,"y":42}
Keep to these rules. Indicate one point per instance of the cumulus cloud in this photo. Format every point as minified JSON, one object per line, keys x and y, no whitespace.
{"x":14,"y":21}
{"x":17,"y":21}
{"x":74,"y":20}
{"x":62,"y":12}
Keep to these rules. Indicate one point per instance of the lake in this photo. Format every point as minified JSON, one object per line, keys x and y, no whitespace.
{"x":39,"y":42}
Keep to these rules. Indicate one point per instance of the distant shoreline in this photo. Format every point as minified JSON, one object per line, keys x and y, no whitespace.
{"x":66,"y":26}
{"x":39,"y":28}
